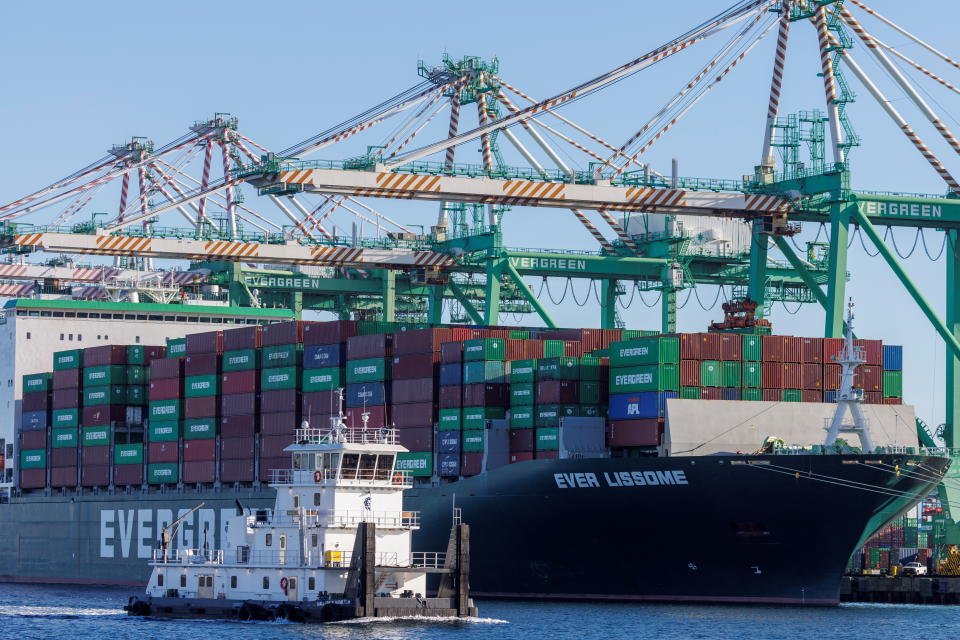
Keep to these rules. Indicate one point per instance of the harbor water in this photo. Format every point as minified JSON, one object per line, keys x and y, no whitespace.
{"x":42,"y":611}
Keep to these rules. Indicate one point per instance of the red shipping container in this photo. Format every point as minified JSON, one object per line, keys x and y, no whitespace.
{"x":97,"y":476}
{"x":33,"y":478}
{"x":609,"y":336}
{"x":242,"y":338}
{"x":558,"y":392}
{"x":35,"y":401}
{"x":689,"y":346}
{"x":711,"y":393}
{"x":273,"y":446}
{"x":811,"y":349}
{"x":831,"y":377}
{"x":201,"y":364}
{"x":153,"y":352}
{"x":33,"y":440}
{"x":372,"y":346}
{"x":634,"y":433}
{"x":791,"y":376}
{"x":168,"y":389}
{"x":204,"y":342}
{"x":162,"y":452}
{"x":64,"y":457}
{"x":94,"y":456}
{"x":471,"y":463}
{"x":812,"y":395}
{"x":450,"y":397}
{"x":319,"y":402}
{"x":414,"y":365}
{"x":811,"y":376}
{"x":873,"y":397}
{"x":792,"y":349}
{"x":451,"y":352}
{"x":66,"y":379}
{"x":194,"y":450}
{"x":520,"y":456}
{"x":164,"y":368}
{"x":415,"y":390}
{"x":459,"y":334}
{"x":831,"y":349}
{"x":421,"y":414}
{"x":63,"y":476}
{"x":199,"y":471}
{"x":592,"y":339}
{"x":205,"y":407}
{"x":893,"y":401}
{"x":522,"y":439}
{"x":238,"y":404}
{"x":486,"y":395}
{"x":571,"y":349}
{"x":237,"y":471}
{"x":65,"y":398}
{"x":269,"y":464}
{"x":872,"y":351}
{"x":285,"y":423}
{"x":731,"y":346}
{"x":240,"y":382}
{"x":420,"y":341}
{"x":336,"y":332}
{"x":869,"y":378}
{"x":416,"y":438}
{"x":279,"y":401}
{"x":103,"y":415}
{"x":709,"y":346}
{"x":773,"y":395}
{"x":104,"y":355}
{"x":523,"y":349}
{"x":237,"y":426}
{"x":377,"y":417}
{"x":772,"y":375}
{"x":280,"y":333}
{"x":689,"y":373}
{"x":127,"y":474}
{"x":772,"y":348}
{"x":237,"y":448}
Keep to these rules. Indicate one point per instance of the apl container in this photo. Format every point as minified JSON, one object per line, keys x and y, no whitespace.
{"x":631,"y":406}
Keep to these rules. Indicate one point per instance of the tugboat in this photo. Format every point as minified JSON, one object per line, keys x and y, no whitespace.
{"x":336,"y":545}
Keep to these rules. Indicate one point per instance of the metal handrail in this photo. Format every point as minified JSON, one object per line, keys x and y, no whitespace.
{"x":381,"y":435}
{"x":396,"y":478}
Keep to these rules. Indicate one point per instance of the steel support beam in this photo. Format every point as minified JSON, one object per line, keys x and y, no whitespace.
{"x":491,"y":309}
{"x":608,"y":304}
{"x":529,"y":295}
{"x":465,"y":302}
{"x":668,"y":310}
{"x":757,"y":286}
{"x":435,"y":304}
{"x":389,"y":295}
{"x":952,"y":414}
{"x":837,"y":273}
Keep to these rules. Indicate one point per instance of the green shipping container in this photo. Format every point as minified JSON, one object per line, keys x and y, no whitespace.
{"x":710,"y":374}
{"x":64,"y":438}
{"x":484,"y":349}
{"x":752,"y":348}
{"x":591,"y":369}
{"x":240,"y":360}
{"x":792,"y":395}
{"x":164,"y":431}
{"x":522,"y":417}
{"x":200,"y":428}
{"x":162,"y":473}
{"x":33,"y":459}
{"x":325,"y":379}
{"x":176,"y":347}
{"x":547,"y":415}
{"x":136,"y":354}
{"x":523,"y":371}
{"x":893,"y":384}
{"x":553,"y":349}
{"x":522,"y":394}
{"x":450,"y":420}
{"x":165,"y":410}
{"x":101,"y":376}
{"x":128,"y":454}
{"x":652,"y":350}
{"x":285,"y":355}
{"x":730,"y":374}
{"x":279,"y":378}
{"x":418,"y":464}
{"x":472,"y":440}
{"x":660,"y":377}
{"x":548,"y":439}
{"x":368,"y":370}
{"x":476,"y":417}
{"x":752,"y":374}
{"x":37,"y":382}
{"x":96,"y":436}
{"x":96,"y":396}
{"x":690,"y":393}
{"x":136,"y":375}
{"x":65,"y":418}
{"x":481,"y":371}
{"x":558,"y":369}
{"x":750,"y":393}
{"x":201,"y":386}
{"x":72,"y":359}
{"x":136,"y":395}
{"x":591,"y":392}
{"x":518,"y":334}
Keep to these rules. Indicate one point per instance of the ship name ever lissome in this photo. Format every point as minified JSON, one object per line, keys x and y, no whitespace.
{"x":587,"y":480}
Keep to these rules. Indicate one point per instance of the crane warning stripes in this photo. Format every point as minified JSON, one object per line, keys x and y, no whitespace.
{"x":531,"y":189}
{"x":336,"y":255}
{"x":232,"y":249}
{"x":10,"y":290}
{"x":120,"y":245}
{"x":761,"y":202}
{"x":431,"y":259}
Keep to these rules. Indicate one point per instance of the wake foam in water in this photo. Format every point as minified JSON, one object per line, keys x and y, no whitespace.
{"x":28,"y":611}
{"x":424,"y":619}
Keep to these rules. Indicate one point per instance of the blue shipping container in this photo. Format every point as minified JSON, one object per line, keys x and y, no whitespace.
{"x":34,"y":421}
{"x":451,"y":375}
{"x":731,"y":394}
{"x":646,"y":404}
{"x":367,"y":394}
{"x":892,"y":357}
{"x":449,"y":464}
{"x":328,"y":355}
{"x":830,"y":395}
{"x":448,"y":442}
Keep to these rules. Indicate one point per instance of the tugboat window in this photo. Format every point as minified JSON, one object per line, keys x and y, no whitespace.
{"x":296,"y":501}
{"x":368,"y":464}
{"x":159,"y":579}
{"x":349,"y":467}
{"x":316,"y":499}
{"x":233,"y":582}
{"x":311,"y":584}
{"x":266,"y":582}
{"x":269,"y":540}
{"x":183,"y":580}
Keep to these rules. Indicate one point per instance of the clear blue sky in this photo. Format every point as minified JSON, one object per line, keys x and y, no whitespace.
{"x":81,"y":77}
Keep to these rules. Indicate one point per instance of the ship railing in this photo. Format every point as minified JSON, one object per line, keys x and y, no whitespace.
{"x":378,"y":435}
{"x":415,"y":560}
{"x":188,"y":556}
{"x":345,"y":518}
{"x":355,"y":477}
{"x":273,"y":557}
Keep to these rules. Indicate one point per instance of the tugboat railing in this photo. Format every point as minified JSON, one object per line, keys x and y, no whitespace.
{"x":359,"y":477}
{"x":381,"y":435}
{"x":340,"y":518}
{"x":244,"y":556}
{"x":188,"y":556}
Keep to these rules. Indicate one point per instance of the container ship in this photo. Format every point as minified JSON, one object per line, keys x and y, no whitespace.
{"x":590,"y":463}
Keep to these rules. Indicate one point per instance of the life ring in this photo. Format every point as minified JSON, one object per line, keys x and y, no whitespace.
{"x":317,"y":476}
{"x":397,"y":477}
{"x":284,"y":583}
